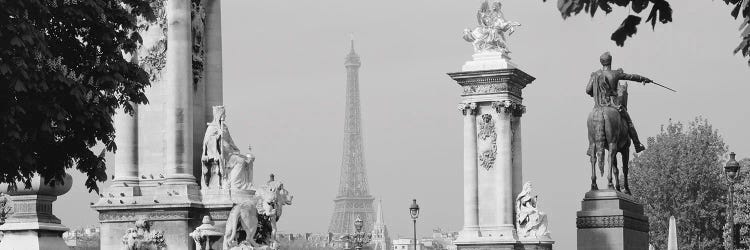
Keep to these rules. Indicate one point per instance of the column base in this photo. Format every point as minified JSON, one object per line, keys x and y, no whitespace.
{"x":502,"y":233}
{"x":125,"y":181}
{"x":611,"y":220}
{"x":468,"y":234}
{"x":181,"y":179}
{"x":505,"y":245}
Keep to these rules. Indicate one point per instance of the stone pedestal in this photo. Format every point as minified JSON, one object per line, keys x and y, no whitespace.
{"x":32,"y":226}
{"x":488,"y":61}
{"x":611,"y":220}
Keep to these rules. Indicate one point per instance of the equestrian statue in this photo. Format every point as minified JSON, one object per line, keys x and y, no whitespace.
{"x":609,"y":125}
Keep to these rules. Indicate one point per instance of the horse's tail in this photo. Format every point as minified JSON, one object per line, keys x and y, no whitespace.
{"x":600,"y":133}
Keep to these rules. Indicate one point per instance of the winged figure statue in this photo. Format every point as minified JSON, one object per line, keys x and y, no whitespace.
{"x":490,"y":35}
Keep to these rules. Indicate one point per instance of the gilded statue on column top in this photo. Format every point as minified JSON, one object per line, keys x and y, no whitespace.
{"x":490,"y":35}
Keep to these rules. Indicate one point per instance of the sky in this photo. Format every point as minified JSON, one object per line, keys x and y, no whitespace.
{"x":284,"y":86}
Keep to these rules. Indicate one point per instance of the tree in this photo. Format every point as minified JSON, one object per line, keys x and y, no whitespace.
{"x":681,"y":174}
{"x":62,"y":76}
{"x":660,"y":11}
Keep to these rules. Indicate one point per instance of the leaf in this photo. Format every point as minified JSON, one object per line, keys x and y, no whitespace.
{"x":639,"y":5}
{"x":661,"y":9}
{"x":16,"y":42}
{"x":592,"y":6}
{"x":627,"y":28}
{"x":19,"y":86}
{"x":4,"y":69}
{"x":736,"y":11}
{"x":605,"y":6}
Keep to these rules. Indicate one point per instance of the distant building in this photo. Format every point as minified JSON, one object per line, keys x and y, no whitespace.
{"x":86,"y":238}
{"x":438,"y":241}
{"x":308,"y":241}
{"x":406,"y":244}
{"x":380,"y":238}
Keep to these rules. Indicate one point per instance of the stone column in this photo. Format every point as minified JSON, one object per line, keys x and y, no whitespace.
{"x":179,"y":81}
{"x":126,"y":138}
{"x":213,"y":64}
{"x":497,"y":94}
{"x":504,"y":166}
{"x":515,"y":127}
{"x":471,"y":188}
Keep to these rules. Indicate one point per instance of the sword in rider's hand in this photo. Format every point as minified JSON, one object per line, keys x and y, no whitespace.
{"x":661,"y":86}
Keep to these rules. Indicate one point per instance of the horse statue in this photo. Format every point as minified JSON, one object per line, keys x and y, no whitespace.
{"x":608,"y":130}
{"x":257,"y":217}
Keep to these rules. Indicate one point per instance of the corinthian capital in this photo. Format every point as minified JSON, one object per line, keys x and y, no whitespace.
{"x":509,"y":107}
{"x":468,"y":108}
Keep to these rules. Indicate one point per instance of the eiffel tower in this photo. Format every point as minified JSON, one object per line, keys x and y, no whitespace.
{"x":353,"y":199}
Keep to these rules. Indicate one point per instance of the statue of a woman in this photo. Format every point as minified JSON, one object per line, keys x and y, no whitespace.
{"x":530,"y":222}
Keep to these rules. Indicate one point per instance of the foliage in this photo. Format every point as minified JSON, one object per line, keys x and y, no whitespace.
{"x":62,"y":76}
{"x":660,"y":11}
{"x":681,"y":174}
{"x":742,"y":208}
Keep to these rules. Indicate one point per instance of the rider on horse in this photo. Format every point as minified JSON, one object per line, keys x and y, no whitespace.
{"x":606,"y":93}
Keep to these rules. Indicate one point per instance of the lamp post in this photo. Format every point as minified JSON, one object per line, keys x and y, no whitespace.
{"x":731,"y":169}
{"x":414,"y":212}
{"x":358,"y":239}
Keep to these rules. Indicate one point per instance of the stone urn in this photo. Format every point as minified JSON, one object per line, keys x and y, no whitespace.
{"x":32,"y":224}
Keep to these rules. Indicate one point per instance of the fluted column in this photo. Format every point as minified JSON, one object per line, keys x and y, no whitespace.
{"x":213,"y":65}
{"x":504,"y":165}
{"x":179,"y":81}
{"x":126,"y":139}
{"x":471,"y":188}
{"x":515,"y":127}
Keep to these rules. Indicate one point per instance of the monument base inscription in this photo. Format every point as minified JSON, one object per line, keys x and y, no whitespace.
{"x":611,"y":220}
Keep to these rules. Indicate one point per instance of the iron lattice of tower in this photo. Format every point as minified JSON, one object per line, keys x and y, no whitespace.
{"x":354,"y":198}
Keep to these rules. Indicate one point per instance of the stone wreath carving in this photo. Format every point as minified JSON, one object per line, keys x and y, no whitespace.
{"x":487,"y":132}
{"x":141,"y":237}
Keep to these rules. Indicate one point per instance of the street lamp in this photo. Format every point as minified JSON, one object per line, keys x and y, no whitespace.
{"x":731,"y":170}
{"x":414,"y":212}
{"x":358,"y":239}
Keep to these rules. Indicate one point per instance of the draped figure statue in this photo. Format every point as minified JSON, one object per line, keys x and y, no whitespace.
{"x":223,"y":165}
{"x":530,"y":222}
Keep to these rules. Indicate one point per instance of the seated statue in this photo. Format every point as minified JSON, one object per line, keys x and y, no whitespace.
{"x":223,"y":166}
{"x":530,"y":222}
